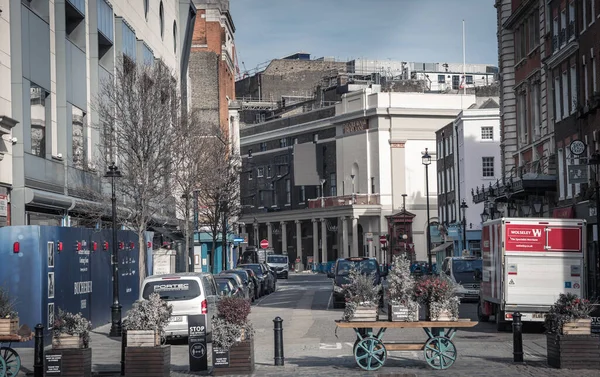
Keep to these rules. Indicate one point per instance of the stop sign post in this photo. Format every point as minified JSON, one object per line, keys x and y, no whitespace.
{"x":264,"y":244}
{"x":383,"y":240}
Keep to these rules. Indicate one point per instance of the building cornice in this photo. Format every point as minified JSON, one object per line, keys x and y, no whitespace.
{"x":518,"y":14}
{"x":285,"y":132}
{"x":312,"y":213}
{"x":555,"y":59}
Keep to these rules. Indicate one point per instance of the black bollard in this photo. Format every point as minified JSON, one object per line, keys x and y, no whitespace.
{"x":517,"y":338}
{"x":38,"y":351}
{"x":278,"y":330}
{"x":123,"y":345}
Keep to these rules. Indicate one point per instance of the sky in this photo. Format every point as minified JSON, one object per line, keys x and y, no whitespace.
{"x":405,"y":30}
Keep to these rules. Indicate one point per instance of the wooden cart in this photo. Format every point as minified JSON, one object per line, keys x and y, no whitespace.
{"x":10,"y":361}
{"x":370,"y":352}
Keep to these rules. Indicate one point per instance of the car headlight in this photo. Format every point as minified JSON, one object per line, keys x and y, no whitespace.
{"x":337,"y":289}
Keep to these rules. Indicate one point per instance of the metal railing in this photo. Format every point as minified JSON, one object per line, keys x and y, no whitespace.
{"x":345,"y":200}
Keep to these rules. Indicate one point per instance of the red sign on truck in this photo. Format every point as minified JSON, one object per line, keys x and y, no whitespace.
{"x":541,"y":238}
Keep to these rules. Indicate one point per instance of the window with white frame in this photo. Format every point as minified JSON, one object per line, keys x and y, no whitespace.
{"x":584,"y":14}
{"x":586,"y":93}
{"x":260,"y":172}
{"x":565,"y":93}
{"x":487,"y":164}
{"x":573,"y":88}
{"x":557,"y":110}
{"x":302,"y":194}
{"x":332,"y":184}
{"x":592,"y":11}
{"x":561,"y":174}
{"x":593,"y":62}
{"x":536,"y":109}
{"x":487,"y":133}
{"x":572,"y":20}
{"x":288,"y":191}
{"x":441,"y":79}
{"x":522,"y":117}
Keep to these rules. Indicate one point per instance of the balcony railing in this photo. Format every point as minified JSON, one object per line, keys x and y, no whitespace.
{"x":563,"y":36}
{"x":345,"y":200}
{"x":555,"y":43}
{"x":571,"y":30}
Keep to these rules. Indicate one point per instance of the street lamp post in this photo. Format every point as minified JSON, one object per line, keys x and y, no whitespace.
{"x":595,"y":161}
{"x":352,"y":176}
{"x":426,"y":160}
{"x":115,"y":327}
{"x":463,"y":207}
{"x":322,"y":194}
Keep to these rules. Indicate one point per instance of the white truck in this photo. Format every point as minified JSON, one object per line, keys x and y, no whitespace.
{"x":465,"y":272}
{"x":527,"y":263}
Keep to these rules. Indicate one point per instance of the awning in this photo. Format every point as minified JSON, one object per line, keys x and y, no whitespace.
{"x":441,"y":247}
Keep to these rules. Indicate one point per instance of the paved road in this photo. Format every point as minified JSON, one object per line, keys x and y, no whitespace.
{"x":313,"y":347}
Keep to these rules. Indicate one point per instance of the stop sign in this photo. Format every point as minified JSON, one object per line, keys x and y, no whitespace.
{"x":264,"y":244}
{"x":382,"y":240}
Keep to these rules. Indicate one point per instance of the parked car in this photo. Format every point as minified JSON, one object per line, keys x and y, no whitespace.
{"x":272,"y":283}
{"x":264,"y":279}
{"x":279,"y":264}
{"x":226,"y":287}
{"x":245,"y":279}
{"x":254,"y":279}
{"x":190,"y":293}
{"x":340,"y":276}
{"x":245,"y":292}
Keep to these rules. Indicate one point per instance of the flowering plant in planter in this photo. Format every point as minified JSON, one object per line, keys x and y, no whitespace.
{"x":401,"y":286}
{"x":360,"y":292}
{"x":568,"y":308}
{"x":7,"y":305}
{"x":69,"y":324}
{"x":437,"y":292}
{"x":231,"y":325}
{"x":152,"y":314}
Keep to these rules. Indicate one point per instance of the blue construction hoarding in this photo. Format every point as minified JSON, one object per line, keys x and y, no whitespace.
{"x":46,"y":268}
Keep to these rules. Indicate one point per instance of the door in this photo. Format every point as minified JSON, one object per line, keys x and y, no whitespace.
{"x":455,"y":81}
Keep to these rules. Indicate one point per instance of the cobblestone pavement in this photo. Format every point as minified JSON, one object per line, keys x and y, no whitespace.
{"x":313,"y":347}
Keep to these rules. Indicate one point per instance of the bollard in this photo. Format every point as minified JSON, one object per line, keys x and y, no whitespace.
{"x":38,"y":351}
{"x":123,"y":345}
{"x":517,"y":338}
{"x":278,"y":331}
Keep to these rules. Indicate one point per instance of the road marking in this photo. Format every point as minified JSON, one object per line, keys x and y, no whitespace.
{"x":329,"y":301}
{"x":350,"y":344}
{"x":327,"y":346}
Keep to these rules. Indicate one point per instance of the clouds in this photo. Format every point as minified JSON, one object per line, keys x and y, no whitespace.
{"x":412,"y":30}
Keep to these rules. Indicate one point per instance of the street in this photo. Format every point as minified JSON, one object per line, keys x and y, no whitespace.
{"x":313,"y":347}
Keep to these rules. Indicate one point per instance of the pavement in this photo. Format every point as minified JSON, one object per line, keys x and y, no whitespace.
{"x":315,"y":347}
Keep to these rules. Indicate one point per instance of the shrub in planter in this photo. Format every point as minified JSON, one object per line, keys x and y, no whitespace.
{"x":569,"y":311}
{"x":231,"y":325}
{"x":9,"y":319}
{"x":437,"y":292}
{"x":401,"y":285}
{"x":70,"y":330}
{"x":362,"y":297}
{"x":146,"y":321}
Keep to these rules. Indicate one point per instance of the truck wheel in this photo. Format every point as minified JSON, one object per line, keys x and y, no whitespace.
{"x":482,"y":318}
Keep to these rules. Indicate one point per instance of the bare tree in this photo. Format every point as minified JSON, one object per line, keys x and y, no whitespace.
{"x":219,"y":190}
{"x":138,"y":112}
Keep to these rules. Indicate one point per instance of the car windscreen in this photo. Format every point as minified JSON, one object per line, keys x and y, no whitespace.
{"x":242,"y":274}
{"x":223,"y":286}
{"x":172,"y":290}
{"x":277,"y":259}
{"x":464,"y":270}
{"x":254,"y":267}
{"x":365,"y":266}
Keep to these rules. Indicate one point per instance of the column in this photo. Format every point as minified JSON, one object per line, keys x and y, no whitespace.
{"x":324,"y":241}
{"x":370,"y":243}
{"x":270,"y":234}
{"x":256,"y":240}
{"x":299,"y":239}
{"x":344,"y":253}
{"x":283,"y":237}
{"x":315,"y":241}
{"x":355,"y":236}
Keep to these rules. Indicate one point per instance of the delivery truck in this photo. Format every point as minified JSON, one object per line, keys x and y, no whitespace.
{"x":527,"y":263}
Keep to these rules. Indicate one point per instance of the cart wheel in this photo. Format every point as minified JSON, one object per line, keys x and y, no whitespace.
{"x":2,"y":367}
{"x":12,"y":361}
{"x":370,"y":354}
{"x":440,"y":353}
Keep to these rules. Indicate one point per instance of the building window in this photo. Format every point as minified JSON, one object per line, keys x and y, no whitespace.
{"x":522,"y":42}
{"x":295,"y":140}
{"x":249,"y":153}
{"x":175,"y":37}
{"x":261,"y":198}
{"x":592,"y":11}
{"x":555,"y":34}
{"x":148,"y":55}
{"x":585,"y":80}
{"x":572,"y":20}
{"x":487,"y":164}
{"x":573,"y":89}
{"x":288,"y":191}
{"x":37,"y":106}
{"x":441,"y":79}
{"x":522,"y":118}
{"x":565,"y":93}
{"x":536,"y":113}
{"x":487,"y":133}
{"x":273,"y":195}
{"x":269,"y":171}
{"x":260,"y":172}
{"x":594,"y":78}
{"x":105,"y":20}
{"x":563,"y":27}
{"x":283,"y":142}
{"x":302,"y":194}
{"x":161,"y":16}
{"x":332,"y":185}
{"x":78,"y":137}
{"x":128,"y":42}
{"x":584,"y":15}
{"x":315,"y":138}
{"x":557,"y":112}
{"x":561,"y":174}
{"x":469,"y":79}
{"x":263,"y":146}
{"x":372,"y":185}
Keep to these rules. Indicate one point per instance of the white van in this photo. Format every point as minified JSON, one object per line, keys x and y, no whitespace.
{"x":189,"y":293}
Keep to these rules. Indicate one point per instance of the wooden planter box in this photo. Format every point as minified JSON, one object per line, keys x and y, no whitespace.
{"x":71,"y":362}
{"x":573,"y":351}
{"x":445,"y":315}
{"x":148,"y":361}
{"x":401,"y":313}
{"x":142,"y":338}
{"x":66,"y":341}
{"x":9,"y":326}
{"x":365,"y":313}
{"x":238,"y":360}
{"x":578,"y":327}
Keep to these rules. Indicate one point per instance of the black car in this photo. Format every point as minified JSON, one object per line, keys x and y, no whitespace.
{"x":340,"y":276}
{"x":263,"y":278}
{"x":254,"y":279}
{"x":248,"y":282}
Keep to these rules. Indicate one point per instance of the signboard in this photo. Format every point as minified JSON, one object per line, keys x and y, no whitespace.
{"x":525,"y":237}
{"x":595,"y":314}
{"x":369,"y":236}
{"x":220,"y":358}
{"x":264,"y":244}
{"x":564,"y":239}
{"x":578,"y":174}
{"x":3,"y":205}
{"x":198,"y":354}
{"x":53,"y":364}
{"x":382,"y":240}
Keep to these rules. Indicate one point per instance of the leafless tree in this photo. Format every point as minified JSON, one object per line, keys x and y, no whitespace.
{"x":220,"y":188}
{"x":139,"y":110}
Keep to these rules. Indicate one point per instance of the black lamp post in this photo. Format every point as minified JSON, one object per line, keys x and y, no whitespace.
{"x":484,"y":215}
{"x":595,"y":161}
{"x":426,"y":160}
{"x":115,"y":327}
{"x":463,"y":207}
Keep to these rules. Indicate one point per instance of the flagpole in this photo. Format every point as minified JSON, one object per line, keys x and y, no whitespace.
{"x":464,"y":59}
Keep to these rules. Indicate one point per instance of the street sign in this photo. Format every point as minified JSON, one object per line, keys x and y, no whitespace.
{"x":264,"y":244}
{"x":198,"y":355}
{"x":382,"y":240}
{"x":369,"y":236}
{"x":577,"y":174}
{"x":238,"y":240}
